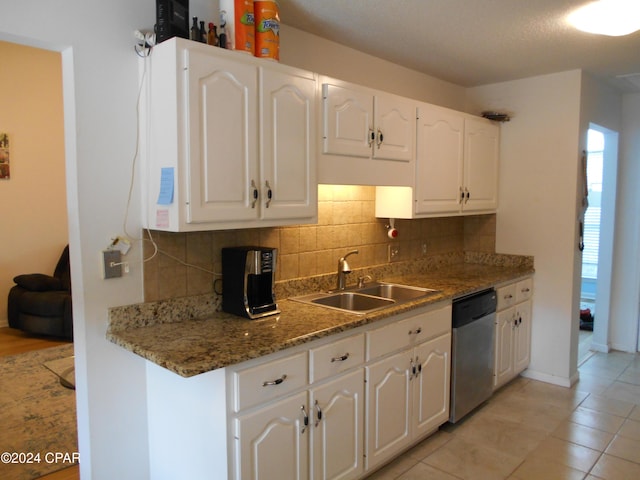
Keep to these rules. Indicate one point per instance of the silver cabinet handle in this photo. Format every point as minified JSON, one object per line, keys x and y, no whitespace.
{"x":417,"y":331}
{"x":318,"y":413}
{"x":269,"y":193}
{"x":341,"y":358}
{"x":372,"y":136}
{"x":305,"y":419}
{"x":254,"y":194}
{"x":380,"y":138}
{"x":277,"y":381}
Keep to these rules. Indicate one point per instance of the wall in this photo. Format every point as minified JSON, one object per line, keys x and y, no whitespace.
{"x":537,"y":214}
{"x":99,"y":71}
{"x":602,"y":105}
{"x":335,"y":60}
{"x":32,"y":239}
{"x":625,"y":295}
{"x":346,"y":221}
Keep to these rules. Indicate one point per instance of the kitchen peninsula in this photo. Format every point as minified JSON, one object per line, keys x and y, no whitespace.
{"x":201,"y":409}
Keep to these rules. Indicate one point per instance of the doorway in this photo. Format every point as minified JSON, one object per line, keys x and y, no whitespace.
{"x":597,"y":257}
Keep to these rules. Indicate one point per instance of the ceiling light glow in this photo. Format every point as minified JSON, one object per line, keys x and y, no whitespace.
{"x":608,"y":17}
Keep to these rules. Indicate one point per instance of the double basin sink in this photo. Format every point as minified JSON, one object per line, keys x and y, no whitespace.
{"x":366,"y":299}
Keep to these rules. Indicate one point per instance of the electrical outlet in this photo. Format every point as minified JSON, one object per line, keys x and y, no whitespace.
{"x":424,"y":247}
{"x":393,"y":253}
{"x":111,"y":264}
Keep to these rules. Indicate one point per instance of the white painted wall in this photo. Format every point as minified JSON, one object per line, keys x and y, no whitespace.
{"x":34,"y":208}
{"x":625,"y":295}
{"x":99,"y":84}
{"x":539,"y":161}
{"x":602,"y":105}
{"x":333,"y":59}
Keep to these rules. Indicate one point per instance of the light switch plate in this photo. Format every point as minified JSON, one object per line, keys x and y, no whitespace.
{"x":111,"y":264}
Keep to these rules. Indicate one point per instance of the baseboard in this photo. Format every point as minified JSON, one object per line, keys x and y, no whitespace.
{"x":4,"y":323}
{"x":623,"y":348}
{"x":553,"y":379}
{"x":599,"y":347}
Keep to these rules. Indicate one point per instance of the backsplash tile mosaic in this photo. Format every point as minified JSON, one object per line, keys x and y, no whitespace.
{"x":346,"y":221}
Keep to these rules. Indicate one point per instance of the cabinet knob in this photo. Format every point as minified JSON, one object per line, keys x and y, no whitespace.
{"x":305,"y":419}
{"x":467,"y":195}
{"x":254,"y":194}
{"x":416,"y":331}
{"x":269,"y":193}
{"x":341,"y":358}
{"x":461,"y":195}
{"x":525,"y":290}
{"x":508,"y":297}
{"x":277,"y":381}
{"x":372,"y":136}
{"x":380,"y":138}
{"x":318,"y":413}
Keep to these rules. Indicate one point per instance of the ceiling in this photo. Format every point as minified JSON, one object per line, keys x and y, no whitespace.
{"x":471,"y":42}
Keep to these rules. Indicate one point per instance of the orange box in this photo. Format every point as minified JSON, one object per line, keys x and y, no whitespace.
{"x":267,"y":27}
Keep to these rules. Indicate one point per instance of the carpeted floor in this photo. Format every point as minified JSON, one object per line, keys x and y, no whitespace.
{"x":37,"y":416}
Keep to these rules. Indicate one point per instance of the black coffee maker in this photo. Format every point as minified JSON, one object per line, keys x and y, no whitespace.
{"x":248,"y":275}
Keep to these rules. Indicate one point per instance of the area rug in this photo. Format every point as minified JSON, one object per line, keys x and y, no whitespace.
{"x":65,"y":370}
{"x":37,"y":416}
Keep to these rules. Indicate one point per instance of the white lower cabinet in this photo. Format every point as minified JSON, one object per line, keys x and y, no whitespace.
{"x":337,"y":409}
{"x":513,"y":331}
{"x":272,"y":442}
{"x":407,"y":398}
{"x":337,"y":433}
{"x":408,"y":388}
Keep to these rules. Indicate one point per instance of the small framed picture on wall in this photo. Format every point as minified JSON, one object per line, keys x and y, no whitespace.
{"x":5,"y":164}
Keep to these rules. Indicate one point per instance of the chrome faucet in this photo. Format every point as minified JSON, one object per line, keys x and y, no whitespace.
{"x":343,"y":269}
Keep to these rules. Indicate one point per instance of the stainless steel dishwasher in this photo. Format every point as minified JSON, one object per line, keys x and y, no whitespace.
{"x":472,"y":344}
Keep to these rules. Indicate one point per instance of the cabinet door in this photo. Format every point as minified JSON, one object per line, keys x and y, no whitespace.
{"x":522,"y":342}
{"x":348,"y":121}
{"x":482,"y":146}
{"x":287,"y":145}
{"x":388,"y":408}
{"x":503,"y":368}
{"x":394,"y":123}
{"x":337,"y":416}
{"x":439,"y":160}
{"x":221,"y":124}
{"x":431,"y":385}
{"x":272,"y":442}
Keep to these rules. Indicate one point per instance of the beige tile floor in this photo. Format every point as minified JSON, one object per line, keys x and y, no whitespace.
{"x":533,"y":430}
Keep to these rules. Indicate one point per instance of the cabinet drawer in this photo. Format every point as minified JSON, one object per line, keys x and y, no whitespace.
{"x":524,"y":290}
{"x":336,"y":357}
{"x":410,"y":331}
{"x":506,"y":296}
{"x":262,"y":383}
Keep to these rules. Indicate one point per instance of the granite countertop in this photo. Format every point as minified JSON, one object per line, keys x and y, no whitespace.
{"x":207,"y":341}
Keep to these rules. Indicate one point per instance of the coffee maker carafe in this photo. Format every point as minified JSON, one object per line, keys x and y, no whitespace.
{"x":248,"y":276}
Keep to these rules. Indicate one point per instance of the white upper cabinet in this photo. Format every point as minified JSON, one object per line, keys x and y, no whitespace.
{"x":456,"y":168}
{"x":231,"y":141}
{"x":368,"y":137}
{"x":481,"y":153}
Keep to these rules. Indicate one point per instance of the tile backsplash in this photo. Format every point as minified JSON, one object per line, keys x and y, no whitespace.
{"x":345,"y":221}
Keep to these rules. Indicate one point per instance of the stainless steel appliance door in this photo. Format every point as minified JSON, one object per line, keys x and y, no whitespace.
{"x":471,"y":366}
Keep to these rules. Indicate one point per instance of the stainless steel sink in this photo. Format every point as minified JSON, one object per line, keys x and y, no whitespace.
{"x":395,"y":291}
{"x":366,"y":299}
{"x":352,"y":301}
